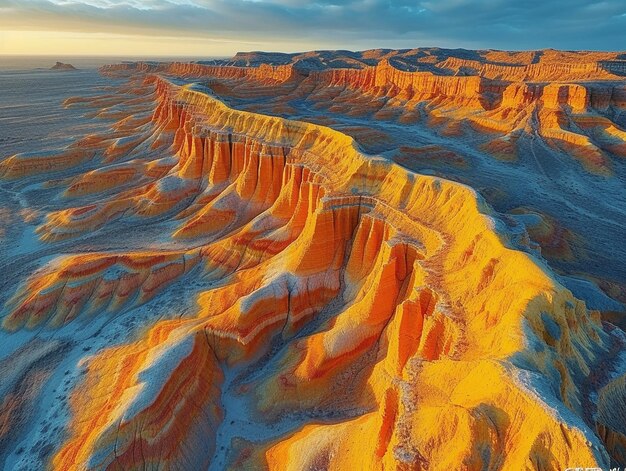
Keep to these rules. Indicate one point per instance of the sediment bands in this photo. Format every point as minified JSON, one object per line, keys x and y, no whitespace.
{"x":269,"y":73}
{"x":478,"y":90}
{"x":472,"y":91}
{"x":357,"y":314}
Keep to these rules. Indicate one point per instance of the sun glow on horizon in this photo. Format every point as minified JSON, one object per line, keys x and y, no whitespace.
{"x":104,"y":44}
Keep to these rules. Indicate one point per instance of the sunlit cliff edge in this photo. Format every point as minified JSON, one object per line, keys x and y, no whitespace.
{"x":269,"y":293}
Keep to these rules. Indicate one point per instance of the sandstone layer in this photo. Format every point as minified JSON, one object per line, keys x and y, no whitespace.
{"x":293,"y":266}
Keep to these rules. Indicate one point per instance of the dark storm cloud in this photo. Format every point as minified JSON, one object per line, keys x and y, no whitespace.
{"x":524,"y":24}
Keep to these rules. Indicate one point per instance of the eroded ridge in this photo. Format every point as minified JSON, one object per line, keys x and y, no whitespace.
{"x":332,"y":308}
{"x":539,"y":133}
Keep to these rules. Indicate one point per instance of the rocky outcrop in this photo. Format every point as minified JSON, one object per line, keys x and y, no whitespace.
{"x":62,"y":66}
{"x":471,"y":92}
{"x":531,"y":72}
{"x":321,"y":298}
{"x":385,"y":80}
{"x":478,"y":91}
{"x":264,"y":72}
{"x":360,"y":271}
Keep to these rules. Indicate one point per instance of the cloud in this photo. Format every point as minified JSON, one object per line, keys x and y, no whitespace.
{"x":503,"y":24}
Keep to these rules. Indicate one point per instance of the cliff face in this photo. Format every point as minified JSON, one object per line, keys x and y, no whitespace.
{"x":471,"y":92}
{"x":533,"y":72}
{"x":263,"y":72}
{"x":338,"y":301}
{"x":384,"y":79}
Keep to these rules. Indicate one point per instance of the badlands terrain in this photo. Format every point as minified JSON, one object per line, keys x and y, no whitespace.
{"x":407,"y":260}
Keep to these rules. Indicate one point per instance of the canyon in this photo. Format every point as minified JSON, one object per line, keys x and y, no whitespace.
{"x":330,"y":260}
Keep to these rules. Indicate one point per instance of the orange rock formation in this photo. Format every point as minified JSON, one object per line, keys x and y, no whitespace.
{"x":347,"y":312}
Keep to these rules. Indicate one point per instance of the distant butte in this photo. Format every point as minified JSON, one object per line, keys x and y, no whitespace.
{"x":62,"y":66}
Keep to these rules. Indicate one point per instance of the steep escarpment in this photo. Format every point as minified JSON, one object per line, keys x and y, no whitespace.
{"x":384,"y":79}
{"x":541,"y":71}
{"x":473,"y":93}
{"x":554,"y":149}
{"x":541,"y":65}
{"x":263,"y":72}
{"x":497,"y":102}
{"x":339,"y":303}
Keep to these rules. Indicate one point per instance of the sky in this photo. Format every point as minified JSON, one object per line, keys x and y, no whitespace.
{"x":214,"y":28}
